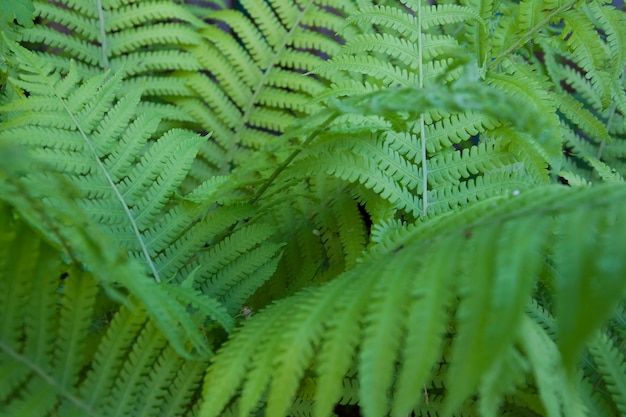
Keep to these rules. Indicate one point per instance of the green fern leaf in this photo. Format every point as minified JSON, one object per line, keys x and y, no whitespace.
{"x":556,"y":390}
{"x":379,"y":171}
{"x":611,"y":21}
{"x":155,"y":390}
{"x":528,"y":152}
{"x":79,"y":299}
{"x":257,"y":75}
{"x":577,"y":277}
{"x":532,"y":14}
{"x":122,"y":399}
{"x":427,"y":322}
{"x":120,"y":199}
{"x":81,"y":116}
{"x":533,"y":93}
{"x":456,"y":128}
{"x":149,"y":40}
{"x":501,"y":379}
{"x":20,"y":10}
{"x":611,"y":364}
{"x":588,"y":49}
{"x":351,"y":167}
{"x":299,"y":346}
{"x":351,"y":229}
{"x":112,"y":32}
{"x":590,"y":124}
{"x":236,"y":364}
{"x":482,"y":187}
{"x":484,"y":314}
{"x":49,"y":350}
{"x":109,"y":358}
{"x":405,"y":24}
{"x":449,"y":168}
{"x":385,"y":322}
{"x":338,"y":350}
{"x":510,"y":277}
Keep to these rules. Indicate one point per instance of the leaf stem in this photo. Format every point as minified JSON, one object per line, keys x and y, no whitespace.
{"x":526,"y":37}
{"x":103,"y":36}
{"x":49,"y":379}
{"x":420,"y":69}
{"x":113,"y":186}
{"x":293,"y":156}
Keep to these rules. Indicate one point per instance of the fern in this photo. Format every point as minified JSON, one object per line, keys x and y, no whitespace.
{"x":503,"y":223}
{"x":299,"y":208}
{"x":55,"y":344}
{"x":134,"y":205}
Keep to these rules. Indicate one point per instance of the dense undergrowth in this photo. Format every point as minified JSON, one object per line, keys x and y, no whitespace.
{"x":278,"y":207}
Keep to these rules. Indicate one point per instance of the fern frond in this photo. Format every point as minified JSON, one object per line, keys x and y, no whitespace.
{"x":476,"y":34}
{"x":338,"y":351}
{"x":44,"y":349}
{"x":156,"y":392}
{"x":611,"y":21}
{"x":487,"y":311}
{"x":529,"y":14}
{"x":610,"y":362}
{"x":74,"y":321}
{"x":323,"y":227}
{"x":82,"y":110}
{"x":385,"y":326}
{"x":350,"y":228}
{"x":135,"y":14}
{"x":405,"y":23}
{"x":529,"y":153}
{"x":109,"y":358}
{"x":576,"y":80}
{"x":455,"y":129}
{"x":105,"y":36}
{"x":25,"y":326}
{"x":427,"y":319}
{"x":485,"y":186}
{"x":151,"y":40}
{"x":258,"y":74}
{"x":557,"y":393}
{"x":456,"y":114}
{"x":18,"y":14}
{"x":533,"y":92}
{"x":596,"y":405}
{"x":231,"y":379}
{"x":589,"y":124}
{"x":510,"y":276}
{"x":501,"y":380}
{"x":574,"y":282}
{"x":123,"y":397}
{"x":378,"y":173}
{"x":507,"y":33}
{"x":361,"y":169}
{"x":135,"y":205}
{"x":450,"y":168}
{"x":588,"y":49}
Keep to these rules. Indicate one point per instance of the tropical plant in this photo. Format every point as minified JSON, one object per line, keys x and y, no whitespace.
{"x":281,"y":208}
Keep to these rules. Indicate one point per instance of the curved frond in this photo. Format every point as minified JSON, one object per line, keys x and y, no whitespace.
{"x":611,"y":362}
{"x":258,"y":74}
{"x":483,"y":251}
{"x":588,"y":49}
{"x":123,"y":181}
{"x":59,"y":339}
